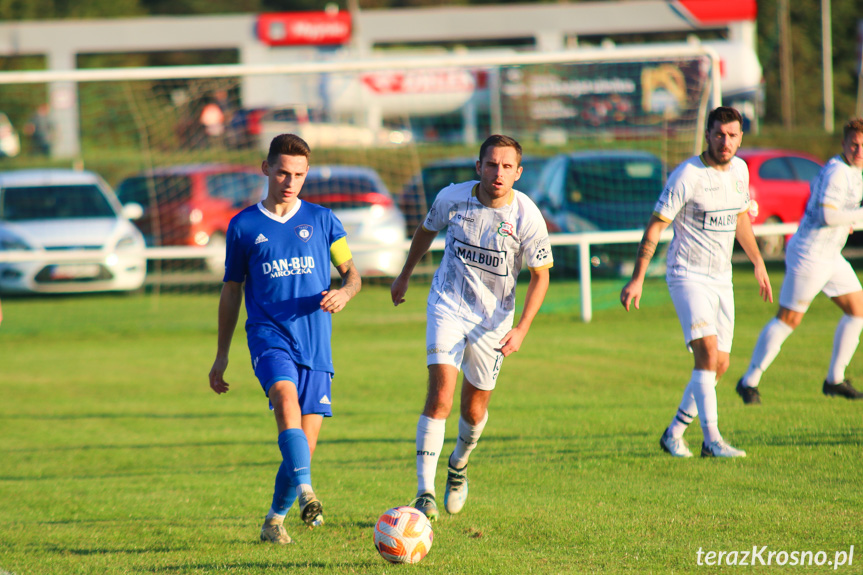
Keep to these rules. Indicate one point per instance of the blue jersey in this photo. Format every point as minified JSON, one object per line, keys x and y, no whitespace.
{"x":285,"y":263}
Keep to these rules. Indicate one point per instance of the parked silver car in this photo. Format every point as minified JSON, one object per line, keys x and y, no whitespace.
{"x":54,"y":211}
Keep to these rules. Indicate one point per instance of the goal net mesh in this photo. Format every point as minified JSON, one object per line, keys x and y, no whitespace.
{"x":189,"y":149}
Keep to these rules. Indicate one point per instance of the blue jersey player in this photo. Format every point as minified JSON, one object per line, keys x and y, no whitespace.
{"x":280,"y":250}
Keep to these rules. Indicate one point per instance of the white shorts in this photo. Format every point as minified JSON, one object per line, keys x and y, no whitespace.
{"x":464,"y":345}
{"x":704,"y":309}
{"x":804,"y":278}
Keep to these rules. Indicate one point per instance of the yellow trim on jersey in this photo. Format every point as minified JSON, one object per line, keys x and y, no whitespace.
{"x":340,"y":252}
{"x":831,"y":206}
{"x":540,"y":268}
{"x":661,"y":217}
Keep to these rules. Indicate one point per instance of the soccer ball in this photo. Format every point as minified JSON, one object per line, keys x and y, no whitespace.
{"x":403,"y":535}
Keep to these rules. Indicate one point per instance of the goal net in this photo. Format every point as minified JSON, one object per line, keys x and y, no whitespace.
{"x":387,"y":133}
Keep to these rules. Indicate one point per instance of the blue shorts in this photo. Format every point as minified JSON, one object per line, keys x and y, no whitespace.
{"x":313,"y":387}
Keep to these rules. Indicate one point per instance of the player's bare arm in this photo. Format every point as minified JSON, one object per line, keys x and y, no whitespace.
{"x":631,"y":292}
{"x":335,"y":300}
{"x":229,"y":313}
{"x":746,"y":238}
{"x":420,"y":245}
{"x":536,"y":290}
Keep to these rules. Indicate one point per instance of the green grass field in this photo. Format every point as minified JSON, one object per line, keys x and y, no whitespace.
{"x":117,"y":458}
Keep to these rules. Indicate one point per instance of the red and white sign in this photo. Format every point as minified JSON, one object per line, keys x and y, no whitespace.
{"x":304,"y":28}
{"x":717,"y":11}
{"x":420,"y":82}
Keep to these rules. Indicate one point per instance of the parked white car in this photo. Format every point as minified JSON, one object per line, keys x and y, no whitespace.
{"x":50,"y":212}
{"x":374,"y":224}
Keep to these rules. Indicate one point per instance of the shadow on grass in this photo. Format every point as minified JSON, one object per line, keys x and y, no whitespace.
{"x":79,"y":416}
{"x":245,"y":566}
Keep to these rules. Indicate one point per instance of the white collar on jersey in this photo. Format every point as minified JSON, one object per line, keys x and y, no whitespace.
{"x":281,"y":219}
{"x":509,"y":201}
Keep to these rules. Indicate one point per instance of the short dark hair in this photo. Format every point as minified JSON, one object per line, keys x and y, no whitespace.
{"x":287,"y":145}
{"x":498,"y":141}
{"x":853,"y":125}
{"x":723,"y":115}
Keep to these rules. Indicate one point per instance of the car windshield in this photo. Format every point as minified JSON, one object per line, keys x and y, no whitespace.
{"x":614,"y":180}
{"x":344,"y":192}
{"x":55,"y":202}
{"x":141,"y":189}
{"x":237,"y":187}
{"x":436,"y":178}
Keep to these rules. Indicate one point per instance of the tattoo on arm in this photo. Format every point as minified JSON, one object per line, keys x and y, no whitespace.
{"x":646,"y":248}
{"x":351,"y":281}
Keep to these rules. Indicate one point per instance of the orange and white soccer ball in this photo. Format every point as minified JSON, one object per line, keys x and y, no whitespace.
{"x":403,"y":535}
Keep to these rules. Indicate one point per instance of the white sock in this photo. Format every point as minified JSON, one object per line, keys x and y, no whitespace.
{"x":686,"y":413}
{"x":304,"y":490}
{"x":844,"y":345}
{"x":273,"y":515}
{"x":430,"y":436}
{"x":468,"y":435}
{"x":767,"y":348}
{"x":704,"y":390}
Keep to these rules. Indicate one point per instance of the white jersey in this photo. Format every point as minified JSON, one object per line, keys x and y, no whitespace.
{"x":485,"y":248}
{"x":703,"y":203}
{"x":839,"y":186}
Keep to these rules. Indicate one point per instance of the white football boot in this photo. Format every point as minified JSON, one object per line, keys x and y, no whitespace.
{"x":272,"y":531}
{"x":676,"y":446}
{"x":456,"y":489}
{"x":720,"y":448}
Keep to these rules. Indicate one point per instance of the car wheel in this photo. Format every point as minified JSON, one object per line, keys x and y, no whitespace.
{"x":772,"y":247}
{"x":216,"y":264}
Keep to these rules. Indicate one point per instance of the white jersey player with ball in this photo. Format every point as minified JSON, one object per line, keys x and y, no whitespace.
{"x":492,"y":230}
{"x":707,"y":200}
{"x":814,"y":263}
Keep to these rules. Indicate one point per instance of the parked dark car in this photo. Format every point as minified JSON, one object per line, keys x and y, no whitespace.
{"x":419,"y":193}
{"x":779,"y":187}
{"x":191,"y":205}
{"x":600,"y":191}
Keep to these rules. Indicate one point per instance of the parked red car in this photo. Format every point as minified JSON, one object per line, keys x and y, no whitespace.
{"x":779,"y":186}
{"x":191,"y":205}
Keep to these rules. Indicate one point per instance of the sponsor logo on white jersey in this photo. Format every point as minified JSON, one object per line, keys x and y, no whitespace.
{"x":506,"y":229}
{"x":435,"y":349}
{"x":491,"y":261}
{"x":721,"y":221}
{"x":289,"y":267}
{"x":261,"y":239}
{"x":324,"y":400}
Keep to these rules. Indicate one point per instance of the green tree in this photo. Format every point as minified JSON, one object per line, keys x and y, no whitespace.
{"x":805,"y":35}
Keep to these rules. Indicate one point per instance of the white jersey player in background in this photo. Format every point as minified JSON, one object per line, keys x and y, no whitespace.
{"x":707,"y":199}
{"x":814,"y":263}
{"x":491,"y":230}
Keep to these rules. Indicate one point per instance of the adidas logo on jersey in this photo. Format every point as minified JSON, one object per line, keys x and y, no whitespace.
{"x":260,"y":239}
{"x":324,"y":400}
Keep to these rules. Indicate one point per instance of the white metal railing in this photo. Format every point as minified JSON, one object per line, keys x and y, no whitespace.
{"x":583,"y":240}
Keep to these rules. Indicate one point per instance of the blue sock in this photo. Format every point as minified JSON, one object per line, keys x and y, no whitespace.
{"x":285,"y":492}
{"x":296,"y":456}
